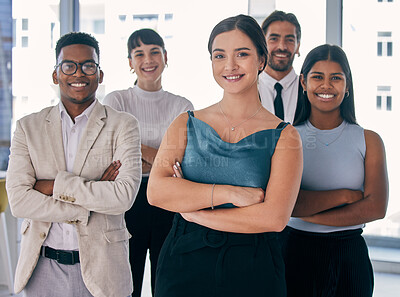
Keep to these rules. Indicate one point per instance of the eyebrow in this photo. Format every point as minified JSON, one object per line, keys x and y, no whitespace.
{"x":278,"y":35}
{"x":236,"y":50}
{"x":152,"y":49}
{"x":89,"y":60}
{"x":336,"y":73}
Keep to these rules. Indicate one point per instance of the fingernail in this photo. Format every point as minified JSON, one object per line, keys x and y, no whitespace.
{"x":174,"y":175}
{"x":177,"y":163}
{"x":175,"y":167}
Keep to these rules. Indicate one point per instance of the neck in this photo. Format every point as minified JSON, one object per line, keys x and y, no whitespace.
{"x":152,"y":86}
{"x":241,"y":105}
{"x":326,"y":121}
{"x":278,"y":75}
{"x":74,"y":109}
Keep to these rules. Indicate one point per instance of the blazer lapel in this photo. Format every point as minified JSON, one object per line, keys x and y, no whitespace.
{"x":93,"y":128}
{"x":53,"y":131}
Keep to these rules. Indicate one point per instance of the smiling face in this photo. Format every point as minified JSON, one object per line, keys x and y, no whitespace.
{"x":235,"y":62}
{"x":79,"y":88}
{"x":148,"y":61}
{"x":326,"y":87}
{"x":282,"y":46}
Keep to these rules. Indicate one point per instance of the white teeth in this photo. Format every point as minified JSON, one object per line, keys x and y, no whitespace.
{"x":78,"y":85}
{"x":280,"y":55}
{"x":149,"y":69}
{"x":233,"y":77}
{"x":325,"y":96}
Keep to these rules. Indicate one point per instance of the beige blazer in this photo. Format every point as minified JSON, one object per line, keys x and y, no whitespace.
{"x":96,"y":207}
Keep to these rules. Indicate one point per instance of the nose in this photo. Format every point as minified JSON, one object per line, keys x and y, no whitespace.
{"x":79,"y":71}
{"x":231,"y":64}
{"x":326,"y":83}
{"x":282,"y":44}
{"x":147,"y":58}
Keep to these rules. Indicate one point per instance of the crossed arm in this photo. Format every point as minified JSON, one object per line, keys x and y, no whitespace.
{"x":113,"y":194}
{"x":46,"y":186}
{"x":359,"y":207}
{"x":256,"y":211}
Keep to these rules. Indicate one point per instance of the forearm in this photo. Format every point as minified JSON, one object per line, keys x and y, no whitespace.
{"x":312,"y":202}
{"x":26,"y":202}
{"x":180,"y":195}
{"x":107,"y":197}
{"x":148,"y":154}
{"x":361,"y":212}
{"x":250,"y":219}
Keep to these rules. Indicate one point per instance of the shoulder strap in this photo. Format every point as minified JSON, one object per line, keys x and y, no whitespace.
{"x":282,"y":125}
{"x":190,"y":113}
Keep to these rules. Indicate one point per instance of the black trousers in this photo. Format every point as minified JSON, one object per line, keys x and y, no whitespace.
{"x":196,"y":261}
{"x":327,"y":264}
{"x":149,"y":227}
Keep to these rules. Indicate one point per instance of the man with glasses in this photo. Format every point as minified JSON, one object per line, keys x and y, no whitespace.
{"x":74,"y":238}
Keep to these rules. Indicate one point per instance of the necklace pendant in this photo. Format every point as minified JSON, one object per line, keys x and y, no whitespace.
{"x":233,"y":128}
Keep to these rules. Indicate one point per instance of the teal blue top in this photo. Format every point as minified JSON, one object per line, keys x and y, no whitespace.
{"x":209,"y":159}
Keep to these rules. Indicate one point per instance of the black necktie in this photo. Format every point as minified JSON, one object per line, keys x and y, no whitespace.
{"x":278,"y":104}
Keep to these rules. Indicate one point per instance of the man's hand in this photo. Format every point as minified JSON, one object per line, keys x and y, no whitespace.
{"x":111,"y":172}
{"x":146,"y":167}
{"x":44,"y":186}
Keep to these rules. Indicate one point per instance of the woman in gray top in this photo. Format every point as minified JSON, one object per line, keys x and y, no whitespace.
{"x":344,"y":185}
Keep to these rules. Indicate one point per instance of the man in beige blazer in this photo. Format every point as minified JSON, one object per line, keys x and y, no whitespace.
{"x":74,"y":238}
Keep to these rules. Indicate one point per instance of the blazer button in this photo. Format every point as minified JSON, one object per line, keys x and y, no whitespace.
{"x":72,"y":199}
{"x":42,"y":235}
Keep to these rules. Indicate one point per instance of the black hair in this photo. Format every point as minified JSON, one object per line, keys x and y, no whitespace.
{"x":77,"y":38}
{"x":144,"y":36}
{"x":248,"y":26}
{"x":332,"y":53}
{"x":281,"y":16}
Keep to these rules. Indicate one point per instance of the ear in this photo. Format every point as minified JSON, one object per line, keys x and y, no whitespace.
{"x":54,"y":75}
{"x":298,"y":49}
{"x":303,"y":82}
{"x":262,"y":62}
{"x":101,"y":75}
{"x":130,"y":63}
{"x":165,"y":57}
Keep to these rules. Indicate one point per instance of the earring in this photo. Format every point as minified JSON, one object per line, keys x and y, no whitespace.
{"x":304,"y":92}
{"x":132,"y":71}
{"x":166,"y":65}
{"x":347,"y":94}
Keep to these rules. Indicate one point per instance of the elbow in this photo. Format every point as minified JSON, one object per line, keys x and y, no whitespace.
{"x":152,"y":196}
{"x":381,"y":213}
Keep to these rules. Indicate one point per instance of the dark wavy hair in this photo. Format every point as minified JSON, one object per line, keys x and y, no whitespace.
{"x":280,"y":16}
{"x":144,"y":36}
{"x":333,"y":53}
{"x":248,"y":26}
{"x":77,"y":38}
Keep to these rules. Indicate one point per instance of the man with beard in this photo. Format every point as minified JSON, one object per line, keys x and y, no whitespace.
{"x":279,"y":83}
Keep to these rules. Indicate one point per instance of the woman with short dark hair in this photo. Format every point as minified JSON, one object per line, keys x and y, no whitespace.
{"x":155,"y":109}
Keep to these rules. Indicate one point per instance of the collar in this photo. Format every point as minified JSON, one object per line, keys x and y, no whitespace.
{"x":285,"y":82}
{"x":86,"y":112}
{"x":156,"y":95}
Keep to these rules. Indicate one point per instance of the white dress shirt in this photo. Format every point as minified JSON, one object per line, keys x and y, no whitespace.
{"x":63,"y":236}
{"x":290,"y":84}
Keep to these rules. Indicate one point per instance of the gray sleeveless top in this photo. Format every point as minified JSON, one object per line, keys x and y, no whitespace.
{"x":333,"y":159}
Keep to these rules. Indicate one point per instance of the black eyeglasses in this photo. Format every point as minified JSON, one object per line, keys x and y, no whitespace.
{"x":70,"y":67}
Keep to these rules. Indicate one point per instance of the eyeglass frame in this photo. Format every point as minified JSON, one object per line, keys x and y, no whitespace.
{"x":76,"y":67}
